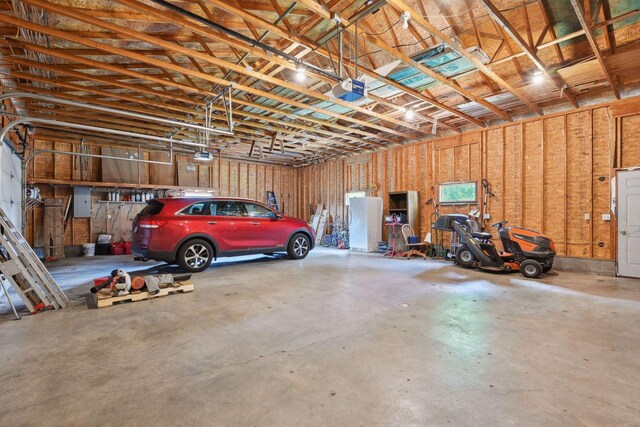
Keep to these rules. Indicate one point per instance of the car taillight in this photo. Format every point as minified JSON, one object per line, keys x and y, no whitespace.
{"x":151,"y":223}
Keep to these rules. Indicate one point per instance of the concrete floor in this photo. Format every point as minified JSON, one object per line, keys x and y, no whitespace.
{"x":335,"y":339}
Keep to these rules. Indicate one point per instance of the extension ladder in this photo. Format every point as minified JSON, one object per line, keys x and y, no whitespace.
{"x":20,"y":266}
{"x":272,"y":202}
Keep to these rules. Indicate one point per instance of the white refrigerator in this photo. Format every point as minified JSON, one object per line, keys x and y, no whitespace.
{"x":365,"y":223}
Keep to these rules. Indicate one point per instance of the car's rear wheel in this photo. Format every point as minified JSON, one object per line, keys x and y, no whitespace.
{"x":195,"y":255}
{"x":299,"y":246}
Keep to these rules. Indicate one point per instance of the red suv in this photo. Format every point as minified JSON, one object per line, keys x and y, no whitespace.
{"x":195,"y":231}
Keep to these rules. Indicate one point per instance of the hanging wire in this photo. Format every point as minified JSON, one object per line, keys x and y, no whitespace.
{"x":385,"y":31}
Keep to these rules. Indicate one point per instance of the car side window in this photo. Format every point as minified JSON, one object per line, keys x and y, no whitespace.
{"x":198,"y":208}
{"x":257,"y":211}
{"x":230,"y":208}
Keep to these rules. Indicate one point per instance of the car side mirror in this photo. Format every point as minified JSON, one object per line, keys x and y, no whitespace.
{"x":276,"y":217}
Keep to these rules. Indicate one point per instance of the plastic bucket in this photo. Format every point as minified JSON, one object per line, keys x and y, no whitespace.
{"x":88,"y":249}
{"x":117,"y":248}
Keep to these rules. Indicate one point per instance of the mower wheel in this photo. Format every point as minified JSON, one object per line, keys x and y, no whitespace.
{"x":547,"y":268}
{"x":530,"y":268}
{"x":464,"y":257}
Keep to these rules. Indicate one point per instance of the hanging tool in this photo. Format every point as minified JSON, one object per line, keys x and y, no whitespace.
{"x":486,"y":190}
{"x":437,"y":249}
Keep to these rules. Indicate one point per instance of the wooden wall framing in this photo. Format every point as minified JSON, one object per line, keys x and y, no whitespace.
{"x":55,"y":173}
{"x":547,"y":173}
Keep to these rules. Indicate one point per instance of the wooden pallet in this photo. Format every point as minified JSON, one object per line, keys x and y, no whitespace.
{"x":104,"y":299}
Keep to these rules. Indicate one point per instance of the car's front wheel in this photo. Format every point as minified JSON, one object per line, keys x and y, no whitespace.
{"x":195,"y":255}
{"x":299,"y":246}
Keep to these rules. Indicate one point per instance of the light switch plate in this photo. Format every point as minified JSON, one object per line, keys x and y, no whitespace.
{"x":606,"y":217}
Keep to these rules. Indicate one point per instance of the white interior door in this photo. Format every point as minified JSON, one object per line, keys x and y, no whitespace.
{"x":629,"y":223}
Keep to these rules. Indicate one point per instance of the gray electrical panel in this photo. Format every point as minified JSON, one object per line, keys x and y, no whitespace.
{"x":81,"y":202}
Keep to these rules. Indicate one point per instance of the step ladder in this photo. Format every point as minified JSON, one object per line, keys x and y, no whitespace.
{"x":20,"y":267}
{"x":272,"y":202}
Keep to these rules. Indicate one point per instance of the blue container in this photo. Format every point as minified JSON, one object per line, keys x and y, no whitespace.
{"x":413,"y":240}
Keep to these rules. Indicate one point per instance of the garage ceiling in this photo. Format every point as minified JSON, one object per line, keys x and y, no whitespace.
{"x":169,"y":58}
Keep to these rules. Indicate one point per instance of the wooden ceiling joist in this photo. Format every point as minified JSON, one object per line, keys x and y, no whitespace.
{"x":454,"y":44}
{"x":276,"y":30}
{"x":182,"y":50}
{"x":151,"y":58}
{"x":580,"y":13}
{"x":529,"y":49}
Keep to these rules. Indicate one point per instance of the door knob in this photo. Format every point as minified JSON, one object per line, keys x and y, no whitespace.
{"x":623,"y":232}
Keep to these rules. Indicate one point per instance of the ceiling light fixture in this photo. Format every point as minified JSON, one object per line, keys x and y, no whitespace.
{"x":405,"y":17}
{"x":409,"y":114}
{"x":538,"y":77}
{"x":300,"y":73}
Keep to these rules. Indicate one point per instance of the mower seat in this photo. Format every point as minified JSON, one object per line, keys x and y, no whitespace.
{"x":481,"y":236}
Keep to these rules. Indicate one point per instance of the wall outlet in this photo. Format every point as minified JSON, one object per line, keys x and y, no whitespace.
{"x":108,"y":216}
{"x":587,"y":217}
{"x":606,"y":217}
{"x":487,"y":216}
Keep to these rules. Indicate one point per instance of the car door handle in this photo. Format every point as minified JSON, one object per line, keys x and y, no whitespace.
{"x":212,"y":222}
{"x":255,"y":223}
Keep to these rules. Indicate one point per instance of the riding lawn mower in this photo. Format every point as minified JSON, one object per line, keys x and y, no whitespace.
{"x":523,"y":249}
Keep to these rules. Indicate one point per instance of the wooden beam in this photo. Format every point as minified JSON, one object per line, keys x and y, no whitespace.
{"x":577,"y":7}
{"x":345,"y":132}
{"x":186,"y":51}
{"x":529,"y":50}
{"x":276,"y":30}
{"x":377,"y":41}
{"x":400,"y":4}
{"x":618,"y":18}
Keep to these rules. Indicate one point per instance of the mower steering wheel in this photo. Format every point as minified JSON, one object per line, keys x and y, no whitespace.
{"x":499,"y":224}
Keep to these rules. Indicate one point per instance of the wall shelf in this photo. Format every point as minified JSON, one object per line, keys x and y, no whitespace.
{"x":123,"y":201}
{"x":403,"y":202}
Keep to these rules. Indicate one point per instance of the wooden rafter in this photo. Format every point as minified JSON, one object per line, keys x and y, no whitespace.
{"x":529,"y":49}
{"x":277,"y":30}
{"x":577,"y":7}
{"x":400,"y":5}
{"x":377,"y":41}
{"x":195,"y":54}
